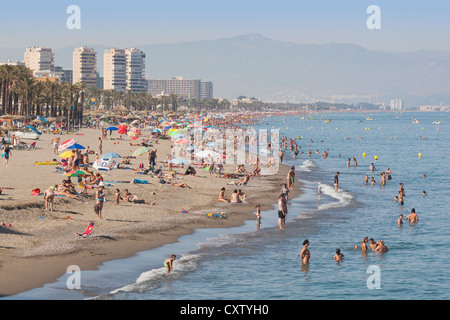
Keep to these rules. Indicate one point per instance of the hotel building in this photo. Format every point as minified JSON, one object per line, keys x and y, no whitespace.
{"x":85,"y":66}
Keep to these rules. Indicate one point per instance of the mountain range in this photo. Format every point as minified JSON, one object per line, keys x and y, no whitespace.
{"x":255,"y":66}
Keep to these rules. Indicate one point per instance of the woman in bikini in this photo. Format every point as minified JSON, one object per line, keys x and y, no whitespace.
{"x":305,"y":254}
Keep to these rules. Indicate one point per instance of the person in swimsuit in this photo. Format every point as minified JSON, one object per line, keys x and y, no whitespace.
{"x":291,"y":178}
{"x":6,"y":153}
{"x":168,"y":263}
{"x":336,"y":181}
{"x":381,"y":247}
{"x":49,"y":196}
{"x":305,"y":255}
{"x":338,"y":256}
{"x":365,"y":180}
{"x":99,"y":199}
{"x":412,"y":217}
{"x":400,"y":220}
{"x":281,"y":213}
{"x":258,"y":215}
{"x":222,"y":195}
{"x":364,"y":244}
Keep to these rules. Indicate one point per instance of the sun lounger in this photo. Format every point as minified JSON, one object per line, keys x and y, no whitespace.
{"x":88,"y":231}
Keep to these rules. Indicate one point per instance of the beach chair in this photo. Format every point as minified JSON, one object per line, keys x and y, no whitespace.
{"x":88,"y":231}
{"x":31,"y":146}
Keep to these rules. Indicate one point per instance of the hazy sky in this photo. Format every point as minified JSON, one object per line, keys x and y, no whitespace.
{"x":405,"y":25}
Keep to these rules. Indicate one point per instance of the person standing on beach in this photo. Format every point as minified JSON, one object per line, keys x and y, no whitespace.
{"x":336,"y":181}
{"x":49,"y":196}
{"x":100,"y":144}
{"x":55,"y":143}
{"x":99,"y":199}
{"x":6,"y":153}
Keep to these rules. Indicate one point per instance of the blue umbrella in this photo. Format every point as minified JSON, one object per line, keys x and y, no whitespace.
{"x":112,"y":128}
{"x":76,"y":146}
{"x":34,"y":129}
{"x":110,"y":155}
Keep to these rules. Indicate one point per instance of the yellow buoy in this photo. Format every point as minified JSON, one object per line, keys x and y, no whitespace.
{"x":364,"y":155}
{"x":376,"y":157}
{"x":420,"y":155}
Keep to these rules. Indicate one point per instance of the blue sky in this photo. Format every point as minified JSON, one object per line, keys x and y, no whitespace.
{"x":405,"y":25}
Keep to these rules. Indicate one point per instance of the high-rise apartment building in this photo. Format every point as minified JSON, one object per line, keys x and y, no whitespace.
{"x":39,"y":59}
{"x":396,"y":104}
{"x":184,"y":88}
{"x":115,"y":69}
{"x":85,"y":66}
{"x":135,"y":70}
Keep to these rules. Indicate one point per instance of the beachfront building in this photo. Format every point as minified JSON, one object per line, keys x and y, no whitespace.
{"x":85,"y":66}
{"x":13,"y":63}
{"x":135,"y":70}
{"x":39,"y":59}
{"x":396,"y":104}
{"x":115,"y":69}
{"x":184,"y":88}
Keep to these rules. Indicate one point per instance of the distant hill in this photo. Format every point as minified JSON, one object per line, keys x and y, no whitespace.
{"x":253,"y":65}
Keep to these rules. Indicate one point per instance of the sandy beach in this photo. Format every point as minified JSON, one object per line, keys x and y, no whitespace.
{"x":39,"y":245}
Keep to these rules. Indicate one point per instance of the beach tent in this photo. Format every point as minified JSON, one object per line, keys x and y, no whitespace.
{"x":105,"y":164}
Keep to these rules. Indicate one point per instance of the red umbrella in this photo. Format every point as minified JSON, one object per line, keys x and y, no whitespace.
{"x":67,"y":144}
{"x":123,"y":129}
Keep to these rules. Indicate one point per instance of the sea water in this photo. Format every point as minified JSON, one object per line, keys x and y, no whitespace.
{"x":246,"y":262}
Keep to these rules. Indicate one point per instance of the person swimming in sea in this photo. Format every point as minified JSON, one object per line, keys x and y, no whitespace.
{"x":338,"y":256}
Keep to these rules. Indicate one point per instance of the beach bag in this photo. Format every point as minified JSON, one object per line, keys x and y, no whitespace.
{"x":35,"y":192}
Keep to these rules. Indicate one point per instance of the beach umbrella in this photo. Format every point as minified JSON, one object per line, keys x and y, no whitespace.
{"x":112,"y":128}
{"x":123,"y":129}
{"x":190,"y":148}
{"x":76,"y":173}
{"x":67,"y":144}
{"x":179,"y":161}
{"x":206,"y":153}
{"x":133,"y":134}
{"x":140,"y":151}
{"x":76,"y":146}
{"x":110,"y":155}
{"x":66,"y":154}
{"x":183,"y":141}
{"x":156,"y":130}
{"x":212,"y":144}
{"x":34,"y":129}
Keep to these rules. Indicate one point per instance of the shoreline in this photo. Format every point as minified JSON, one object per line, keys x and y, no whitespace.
{"x":118,"y":237}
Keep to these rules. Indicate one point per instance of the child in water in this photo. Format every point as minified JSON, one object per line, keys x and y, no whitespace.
{"x":258,"y":215}
{"x":169,"y":263}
